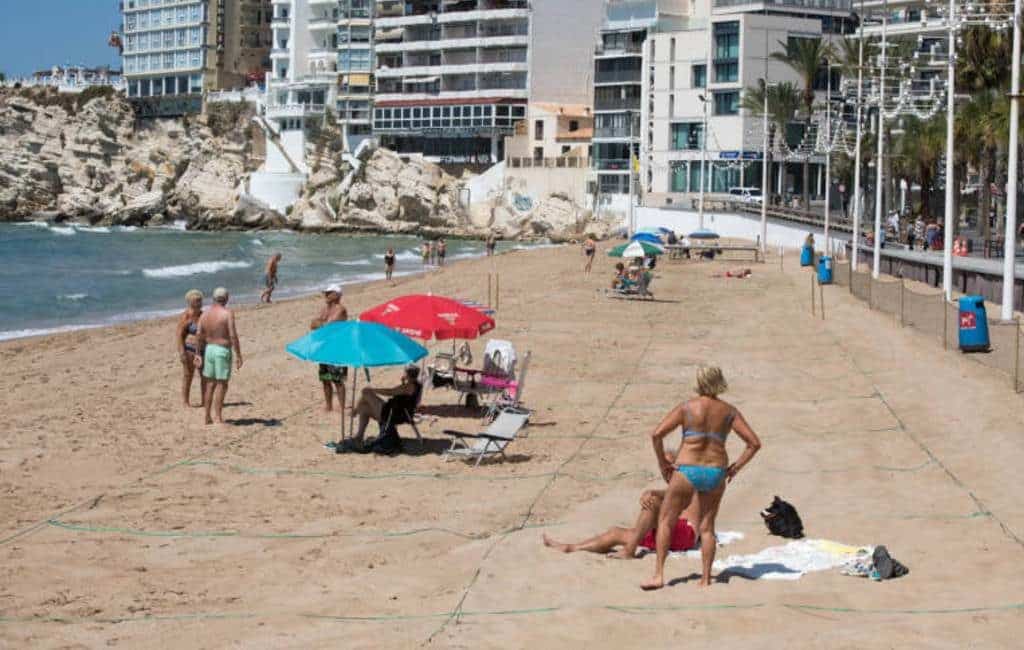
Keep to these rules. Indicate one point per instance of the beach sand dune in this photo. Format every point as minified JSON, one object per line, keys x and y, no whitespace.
{"x":124,"y":522}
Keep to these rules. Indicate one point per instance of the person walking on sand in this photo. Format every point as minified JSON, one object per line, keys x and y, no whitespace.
{"x":589,"y":249}
{"x":216,"y":339}
{"x":684,"y":535}
{"x":332,"y":377}
{"x":701,"y":469}
{"x":442,"y":250}
{"x":492,"y":243}
{"x":185,"y":338}
{"x":270,"y":277}
{"x":389,"y":263}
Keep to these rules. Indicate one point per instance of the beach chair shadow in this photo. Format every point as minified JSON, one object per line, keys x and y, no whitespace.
{"x":454,"y":411}
{"x":251,"y":422}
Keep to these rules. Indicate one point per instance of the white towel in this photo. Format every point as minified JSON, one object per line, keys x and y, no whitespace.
{"x":791,"y":561}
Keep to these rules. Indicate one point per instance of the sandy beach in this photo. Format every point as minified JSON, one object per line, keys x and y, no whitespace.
{"x":125,"y":522}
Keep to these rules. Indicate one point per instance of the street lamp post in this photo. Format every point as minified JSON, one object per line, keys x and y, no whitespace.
{"x":828,"y":151}
{"x":947,"y":242}
{"x":1010,"y":238}
{"x":764,"y":177}
{"x":857,"y":201}
{"x":703,"y":160}
{"x":883,"y":59}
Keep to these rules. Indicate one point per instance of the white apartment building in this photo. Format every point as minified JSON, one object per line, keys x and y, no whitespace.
{"x":176,"y":50}
{"x":165,"y":50}
{"x":704,"y":61}
{"x":452,"y":76}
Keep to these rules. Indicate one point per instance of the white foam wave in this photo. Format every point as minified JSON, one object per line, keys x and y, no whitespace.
{"x":354,"y":263}
{"x":410,"y":255}
{"x":74,"y":297}
{"x":186,"y":270}
{"x":126,"y":228}
{"x":97,"y":229}
{"x":36,"y":224}
{"x":58,"y":230}
{"x":257,"y":242}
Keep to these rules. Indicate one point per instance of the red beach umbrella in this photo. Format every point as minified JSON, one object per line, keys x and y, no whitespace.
{"x":430,"y":317}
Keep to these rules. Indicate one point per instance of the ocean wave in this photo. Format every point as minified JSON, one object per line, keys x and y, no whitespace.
{"x":186,"y":270}
{"x":36,"y":224}
{"x":257,"y":242}
{"x":74,"y":297}
{"x":363,"y":262}
{"x":58,"y":230}
{"x":410,"y":255}
{"x":180,"y":224}
{"x":126,"y":228}
{"x":97,"y":229}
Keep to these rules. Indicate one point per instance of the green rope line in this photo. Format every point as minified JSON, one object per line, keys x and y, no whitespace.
{"x":264,"y":471}
{"x":621,"y":609}
{"x":880,"y":468}
{"x":173,"y":534}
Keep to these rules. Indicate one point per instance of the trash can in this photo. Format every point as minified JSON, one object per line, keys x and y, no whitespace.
{"x":825,"y":270}
{"x":973,"y":324}
{"x":807,"y":256}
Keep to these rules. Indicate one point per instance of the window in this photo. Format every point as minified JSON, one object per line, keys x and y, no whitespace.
{"x":727,"y":41}
{"x":726,"y":72}
{"x":574,"y":125}
{"x":672,"y":77}
{"x":686,"y":135}
{"x":566,"y":149}
{"x":699,"y":75}
{"x":671,"y":105}
{"x":727,"y":103}
{"x":538,"y":130}
{"x":672,"y":49}
{"x":678,"y":177}
{"x":538,"y":153}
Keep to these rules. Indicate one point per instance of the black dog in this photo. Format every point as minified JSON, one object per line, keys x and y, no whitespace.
{"x":782,"y":519}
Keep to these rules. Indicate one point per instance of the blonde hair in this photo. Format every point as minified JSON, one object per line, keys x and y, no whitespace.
{"x":193,"y":294}
{"x":710,"y":381}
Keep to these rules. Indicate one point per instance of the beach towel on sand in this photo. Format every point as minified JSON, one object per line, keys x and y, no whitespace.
{"x":792,"y":561}
{"x":724,"y":538}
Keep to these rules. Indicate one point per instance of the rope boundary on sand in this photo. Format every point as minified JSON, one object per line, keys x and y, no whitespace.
{"x":644,"y":610}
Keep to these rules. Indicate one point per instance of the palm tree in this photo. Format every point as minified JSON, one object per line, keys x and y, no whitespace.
{"x":804,"y":56}
{"x":783,"y":103}
{"x":922,"y":146}
{"x":984,"y":123}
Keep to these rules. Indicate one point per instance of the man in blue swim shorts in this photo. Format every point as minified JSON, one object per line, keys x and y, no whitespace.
{"x":217,"y":339}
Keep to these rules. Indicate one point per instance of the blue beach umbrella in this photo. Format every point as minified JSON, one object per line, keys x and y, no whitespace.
{"x":357,"y":345}
{"x":650,"y":238}
{"x":703,"y":234}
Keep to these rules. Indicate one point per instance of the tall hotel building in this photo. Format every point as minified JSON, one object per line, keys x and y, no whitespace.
{"x":452,"y":76}
{"x":175,"y":50}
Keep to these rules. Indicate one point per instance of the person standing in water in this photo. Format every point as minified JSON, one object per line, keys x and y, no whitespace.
{"x":442,"y":250}
{"x":701,"y":468}
{"x":589,"y":249}
{"x":270,"y":277}
{"x":426,"y":252}
{"x":389,"y":263}
{"x":185,"y":337}
{"x":332,"y":377}
{"x":492,"y":243}
{"x":216,"y":339}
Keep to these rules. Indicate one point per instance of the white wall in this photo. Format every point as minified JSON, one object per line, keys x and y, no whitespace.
{"x":279,"y":191}
{"x":741,"y":226}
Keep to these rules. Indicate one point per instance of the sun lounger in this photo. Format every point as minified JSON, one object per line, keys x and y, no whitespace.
{"x":499,"y":435}
{"x":636,"y":291}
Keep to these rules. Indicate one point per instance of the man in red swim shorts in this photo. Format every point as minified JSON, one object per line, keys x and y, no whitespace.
{"x":684,"y":537}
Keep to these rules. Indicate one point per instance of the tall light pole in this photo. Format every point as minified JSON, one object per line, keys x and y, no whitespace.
{"x":703,"y":159}
{"x":947,"y":242}
{"x":764,"y":177}
{"x":1010,"y":239}
{"x":883,"y":60}
{"x":857,"y":201}
{"x":828,"y":149}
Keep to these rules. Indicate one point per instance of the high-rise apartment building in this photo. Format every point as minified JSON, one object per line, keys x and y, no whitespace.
{"x":452,"y":76}
{"x":175,"y":50}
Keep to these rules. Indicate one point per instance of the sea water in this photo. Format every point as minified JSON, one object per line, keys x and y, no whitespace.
{"x":64,"y":277}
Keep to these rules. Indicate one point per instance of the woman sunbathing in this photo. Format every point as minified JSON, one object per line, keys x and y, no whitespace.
{"x":684,"y":535}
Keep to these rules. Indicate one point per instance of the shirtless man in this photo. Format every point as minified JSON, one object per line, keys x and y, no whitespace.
{"x":215,"y":340}
{"x":332,"y":377}
{"x":589,"y":248}
{"x":270,"y":277}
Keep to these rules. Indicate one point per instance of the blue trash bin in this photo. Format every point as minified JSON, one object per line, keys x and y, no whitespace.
{"x":825,"y":270}
{"x":973,"y":324}
{"x":807,"y":256}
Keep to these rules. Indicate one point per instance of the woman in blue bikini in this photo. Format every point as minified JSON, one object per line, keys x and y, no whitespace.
{"x":702,"y":466}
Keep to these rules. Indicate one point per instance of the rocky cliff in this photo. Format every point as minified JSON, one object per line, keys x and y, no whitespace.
{"x":85,"y":158}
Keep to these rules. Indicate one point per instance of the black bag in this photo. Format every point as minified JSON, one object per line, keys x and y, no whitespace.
{"x":782,"y":519}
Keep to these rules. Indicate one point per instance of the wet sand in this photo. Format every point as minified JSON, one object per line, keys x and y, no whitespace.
{"x":125,"y":522}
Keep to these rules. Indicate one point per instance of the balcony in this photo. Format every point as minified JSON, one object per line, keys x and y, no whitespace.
{"x":614,"y":132}
{"x":617,"y":104}
{"x":322,"y":23}
{"x":281,"y":111}
{"x":451,"y":17}
{"x":617,"y":76}
{"x":612,"y":164}
{"x":836,"y":6}
{"x":601,"y":50}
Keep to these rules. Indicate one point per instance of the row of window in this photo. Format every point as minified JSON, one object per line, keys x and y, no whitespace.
{"x":157,"y":18}
{"x":162,"y":86}
{"x":180,"y":60}
{"x":441,"y":117}
{"x":355,"y":60}
{"x":142,"y":4}
{"x":165,"y":39}
{"x":685,"y":176}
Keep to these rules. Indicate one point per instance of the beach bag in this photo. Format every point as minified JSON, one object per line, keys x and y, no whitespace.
{"x":782,"y":519}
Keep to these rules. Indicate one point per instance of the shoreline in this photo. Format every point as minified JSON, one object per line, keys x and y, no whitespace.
{"x":302,"y":293}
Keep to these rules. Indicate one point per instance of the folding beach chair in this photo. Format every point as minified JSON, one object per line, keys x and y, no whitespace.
{"x":401,"y":409}
{"x":512,"y":395}
{"x":492,"y":442}
{"x":639,"y":291}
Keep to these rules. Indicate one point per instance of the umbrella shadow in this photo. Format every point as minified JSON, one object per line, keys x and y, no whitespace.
{"x":450,"y":411}
{"x":251,"y":422}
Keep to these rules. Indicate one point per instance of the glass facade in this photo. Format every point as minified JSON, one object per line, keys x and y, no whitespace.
{"x":726,"y":52}
{"x":727,"y":103}
{"x":687,"y":135}
{"x":411,"y":118}
{"x":164,"y":38}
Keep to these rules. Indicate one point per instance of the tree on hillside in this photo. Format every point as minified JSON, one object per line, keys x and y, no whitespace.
{"x":783,"y":103}
{"x":805,"y":56}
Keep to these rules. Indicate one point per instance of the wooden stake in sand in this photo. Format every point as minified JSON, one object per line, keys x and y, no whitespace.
{"x":821,"y":299}
{"x":1016,"y":357}
{"x":813,"y":308}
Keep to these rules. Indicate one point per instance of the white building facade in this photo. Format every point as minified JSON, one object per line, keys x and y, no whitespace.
{"x":703,"y":63}
{"x":452,"y":77}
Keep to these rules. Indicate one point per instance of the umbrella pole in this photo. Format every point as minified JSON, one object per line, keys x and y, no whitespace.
{"x":352,"y":413}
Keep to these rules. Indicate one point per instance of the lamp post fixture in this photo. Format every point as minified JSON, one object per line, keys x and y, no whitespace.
{"x":857,"y":201}
{"x":765,"y":174}
{"x":883,"y":56}
{"x":703,"y":160}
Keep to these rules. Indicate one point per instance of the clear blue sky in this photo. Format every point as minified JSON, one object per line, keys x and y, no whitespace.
{"x":38,"y":34}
